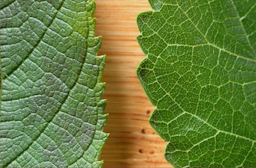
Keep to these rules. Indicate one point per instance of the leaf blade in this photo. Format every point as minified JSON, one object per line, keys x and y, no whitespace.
{"x":55,"y":93}
{"x":190,"y":76}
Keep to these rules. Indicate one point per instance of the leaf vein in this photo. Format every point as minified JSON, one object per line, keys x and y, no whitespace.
{"x":13,"y":70}
{"x":249,"y":139}
{"x":249,"y":42}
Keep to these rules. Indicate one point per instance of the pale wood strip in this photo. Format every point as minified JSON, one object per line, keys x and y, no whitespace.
{"x":132,"y":141}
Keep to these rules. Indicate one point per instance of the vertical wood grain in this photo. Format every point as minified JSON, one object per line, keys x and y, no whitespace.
{"x":132,"y":141}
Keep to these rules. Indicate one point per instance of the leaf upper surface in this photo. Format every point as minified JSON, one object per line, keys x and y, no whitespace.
{"x":51,"y":107}
{"x":200,"y":73}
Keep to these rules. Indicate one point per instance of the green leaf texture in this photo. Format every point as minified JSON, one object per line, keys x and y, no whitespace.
{"x":200,"y":73}
{"x":51,"y":106}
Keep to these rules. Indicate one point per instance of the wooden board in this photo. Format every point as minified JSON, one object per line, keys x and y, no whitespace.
{"x":132,"y":141}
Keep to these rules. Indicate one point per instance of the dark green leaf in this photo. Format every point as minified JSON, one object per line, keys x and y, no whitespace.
{"x":200,"y":73}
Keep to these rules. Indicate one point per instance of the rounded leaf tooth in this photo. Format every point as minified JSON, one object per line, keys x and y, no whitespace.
{"x":156,"y":5}
{"x":143,"y":19}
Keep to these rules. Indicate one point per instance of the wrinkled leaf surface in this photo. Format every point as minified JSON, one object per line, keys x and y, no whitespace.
{"x":51,"y":107}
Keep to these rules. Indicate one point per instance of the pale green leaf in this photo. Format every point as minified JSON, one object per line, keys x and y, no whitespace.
{"x":200,"y":73}
{"x":51,"y":107}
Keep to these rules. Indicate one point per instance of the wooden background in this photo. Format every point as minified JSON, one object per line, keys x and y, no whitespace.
{"x":132,"y":141}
